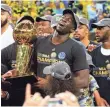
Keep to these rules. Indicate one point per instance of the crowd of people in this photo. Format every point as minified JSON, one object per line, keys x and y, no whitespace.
{"x":69,"y":68}
{"x":91,"y":9}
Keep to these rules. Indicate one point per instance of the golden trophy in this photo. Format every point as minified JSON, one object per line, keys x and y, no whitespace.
{"x":23,"y":34}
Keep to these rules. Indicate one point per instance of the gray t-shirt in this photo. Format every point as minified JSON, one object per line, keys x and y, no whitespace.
{"x":70,"y":51}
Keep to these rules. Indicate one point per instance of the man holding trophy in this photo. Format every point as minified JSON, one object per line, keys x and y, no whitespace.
{"x":16,"y":57}
{"x":46,"y":51}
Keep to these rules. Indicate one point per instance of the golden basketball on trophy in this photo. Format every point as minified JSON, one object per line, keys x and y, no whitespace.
{"x":23,"y":34}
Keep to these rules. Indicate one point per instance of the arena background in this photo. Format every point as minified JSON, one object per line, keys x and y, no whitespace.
{"x":93,"y":10}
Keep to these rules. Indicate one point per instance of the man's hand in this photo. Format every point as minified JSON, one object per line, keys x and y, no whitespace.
{"x":4,"y":94}
{"x":91,"y":47}
{"x":42,"y":82}
{"x":7,"y":74}
{"x":68,"y":98}
{"x":105,"y":102}
{"x":10,"y":73}
{"x":34,"y":100}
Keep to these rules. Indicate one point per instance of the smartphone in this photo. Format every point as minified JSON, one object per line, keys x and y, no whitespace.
{"x":54,"y":101}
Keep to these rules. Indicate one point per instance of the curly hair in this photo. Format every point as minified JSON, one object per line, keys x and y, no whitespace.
{"x":57,"y":86}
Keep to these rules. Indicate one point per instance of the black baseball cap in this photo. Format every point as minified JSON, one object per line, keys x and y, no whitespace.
{"x":102,"y":23}
{"x":27,"y":17}
{"x":75,"y":18}
{"x":59,"y":70}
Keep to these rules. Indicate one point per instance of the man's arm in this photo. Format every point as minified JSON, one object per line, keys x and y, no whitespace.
{"x":8,"y":54}
{"x":82,"y":78}
{"x":4,"y":57}
{"x":80,"y":66}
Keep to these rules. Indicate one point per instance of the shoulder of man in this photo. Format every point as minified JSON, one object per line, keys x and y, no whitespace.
{"x":40,"y":39}
{"x":75,"y":42}
{"x":96,"y":50}
{"x":77,"y":45}
{"x":12,"y":46}
{"x":8,"y":53}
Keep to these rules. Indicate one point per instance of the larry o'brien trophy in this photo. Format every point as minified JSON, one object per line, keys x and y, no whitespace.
{"x":23,"y":34}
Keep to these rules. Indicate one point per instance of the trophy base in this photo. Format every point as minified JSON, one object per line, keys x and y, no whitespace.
{"x":22,"y":75}
{"x":18,"y":82}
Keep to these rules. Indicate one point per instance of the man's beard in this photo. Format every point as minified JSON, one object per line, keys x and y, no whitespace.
{"x":103,"y":39}
{"x":4,"y":23}
{"x":61,"y":32}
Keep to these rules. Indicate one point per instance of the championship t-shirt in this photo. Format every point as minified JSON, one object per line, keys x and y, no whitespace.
{"x":70,"y":51}
{"x":101,"y":73}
